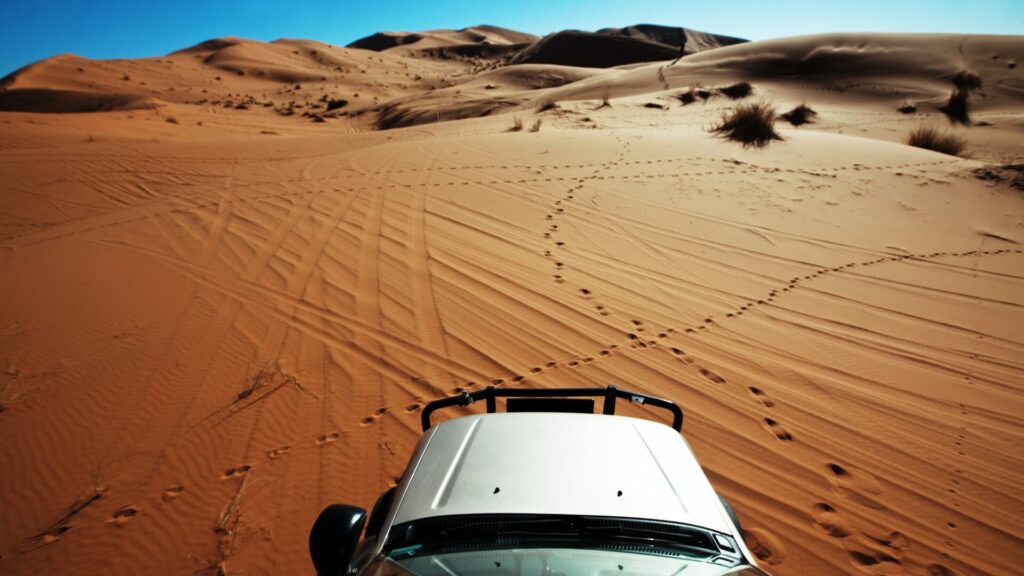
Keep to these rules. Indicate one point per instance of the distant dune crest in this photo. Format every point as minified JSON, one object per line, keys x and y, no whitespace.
{"x":602,"y":49}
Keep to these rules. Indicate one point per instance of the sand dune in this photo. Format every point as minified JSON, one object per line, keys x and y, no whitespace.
{"x":602,"y":49}
{"x":482,"y":34}
{"x":212,"y":327}
{"x":617,"y":46}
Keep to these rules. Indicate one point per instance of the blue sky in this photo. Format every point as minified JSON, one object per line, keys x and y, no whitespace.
{"x":34,"y":29}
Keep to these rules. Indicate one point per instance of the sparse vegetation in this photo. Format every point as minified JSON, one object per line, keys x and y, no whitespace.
{"x":704,"y":94}
{"x":548,"y":105}
{"x":688,"y":97}
{"x":536,"y":125}
{"x":1011,"y":174}
{"x":749,"y":124}
{"x":931,"y":138}
{"x":957,"y":108}
{"x":964,"y":80}
{"x":335,"y":104}
{"x":517,"y":124}
{"x":737,"y":90}
{"x":802,"y":114}
{"x":606,"y":97}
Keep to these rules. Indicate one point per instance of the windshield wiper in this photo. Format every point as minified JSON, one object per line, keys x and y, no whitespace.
{"x":691,"y":539}
{"x":546,"y":525}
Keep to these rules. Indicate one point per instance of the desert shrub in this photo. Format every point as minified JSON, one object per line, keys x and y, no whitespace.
{"x":956,"y":108}
{"x":517,"y":124}
{"x":737,"y":90}
{"x":606,"y":98}
{"x":688,"y":97}
{"x":907,"y":108}
{"x":335,"y":104}
{"x":937,"y":140}
{"x":964,"y":80}
{"x":749,"y":124}
{"x":549,"y":105}
{"x":704,"y":94}
{"x":802,"y":114}
{"x":536,"y":125}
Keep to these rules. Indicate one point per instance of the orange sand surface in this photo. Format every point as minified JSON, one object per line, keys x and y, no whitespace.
{"x":218,"y":315}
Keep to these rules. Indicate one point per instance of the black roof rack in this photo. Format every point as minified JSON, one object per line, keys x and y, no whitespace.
{"x":610,"y":394}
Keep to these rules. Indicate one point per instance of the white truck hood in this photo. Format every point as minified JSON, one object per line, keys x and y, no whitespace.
{"x":557,"y":463}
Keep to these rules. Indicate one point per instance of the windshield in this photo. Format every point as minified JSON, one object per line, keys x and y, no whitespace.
{"x":549,"y":545}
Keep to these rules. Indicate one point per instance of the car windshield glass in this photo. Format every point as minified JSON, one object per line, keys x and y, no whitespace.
{"x":454,"y":534}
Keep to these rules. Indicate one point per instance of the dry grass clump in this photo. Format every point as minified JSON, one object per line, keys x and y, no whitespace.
{"x":606,"y":98}
{"x":937,"y":140}
{"x":536,"y":125}
{"x":737,"y":90}
{"x":517,"y":124}
{"x":688,"y":97}
{"x":802,"y":114}
{"x":549,"y":105}
{"x":749,"y":124}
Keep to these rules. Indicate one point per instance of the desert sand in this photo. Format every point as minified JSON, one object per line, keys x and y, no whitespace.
{"x":222,"y":305}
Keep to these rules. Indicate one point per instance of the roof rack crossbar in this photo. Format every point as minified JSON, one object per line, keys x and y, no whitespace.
{"x":610,"y":394}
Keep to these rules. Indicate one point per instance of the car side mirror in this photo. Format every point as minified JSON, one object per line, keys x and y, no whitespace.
{"x":334,"y":538}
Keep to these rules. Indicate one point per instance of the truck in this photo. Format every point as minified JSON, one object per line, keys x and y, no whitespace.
{"x":545,"y":487}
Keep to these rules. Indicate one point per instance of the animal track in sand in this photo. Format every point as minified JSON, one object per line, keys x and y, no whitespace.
{"x":236,"y":472}
{"x":764,"y":545}
{"x":829,"y":521}
{"x":172,"y":493}
{"x":776,"y":429}
{"x":845,"y":481}
{"x":373,"y":417}
{"x":709,"y":375}
{"x":123,"y":516}
{"x":877,"y":555}
{"x":278,"y":452}
{"x":327,"y":438}
{"x":761,"y":397}
{"x":54,"y":535}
